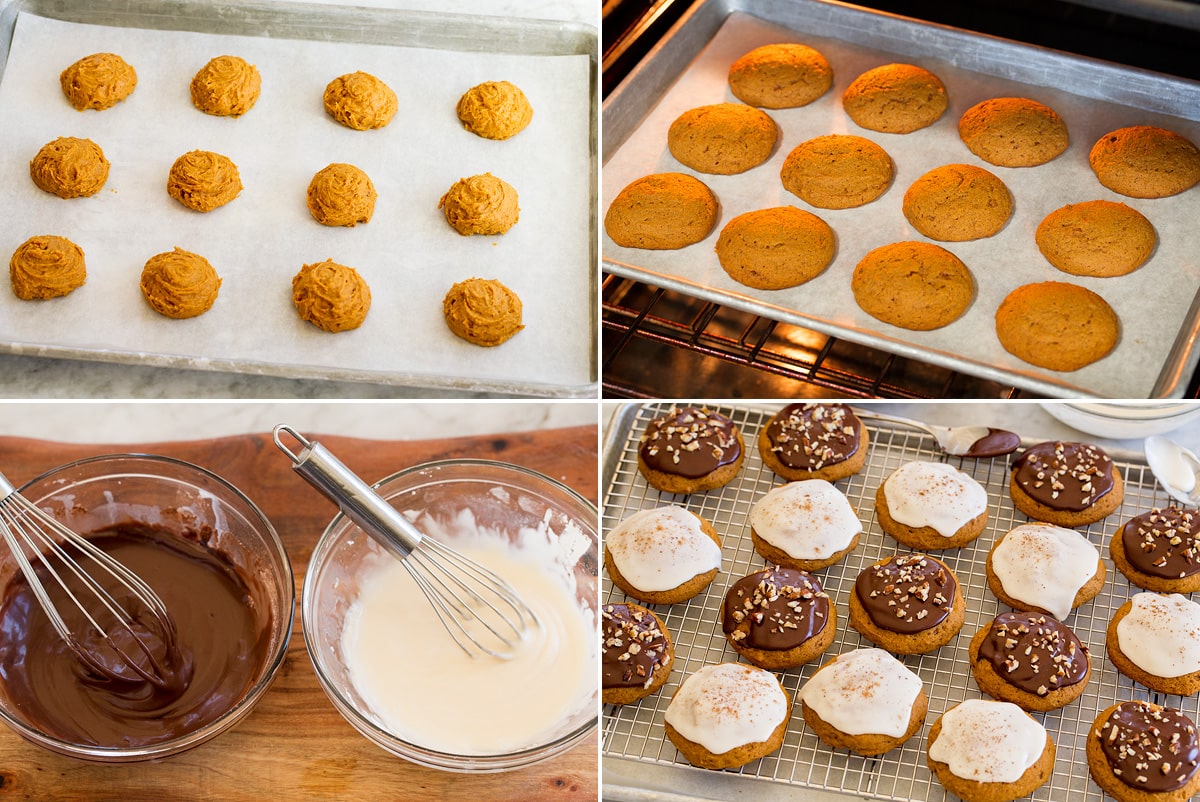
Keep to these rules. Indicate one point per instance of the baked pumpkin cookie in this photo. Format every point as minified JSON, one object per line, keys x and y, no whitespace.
{"x":1152,"y":640}
{"x":99,"y":81}
{"x":70,"y":167}
{"x":1066,"y":483}
{"x":202,"y":180}
{"x":1160,"y":550}
{"x":180,"y":284}
{"x":331,"y":296}
{"x":494,"y":110}
{"x":722,"y":139}
{"x":780,"y":76}
{"x":958,"y":202}
{"x":690,"y":450}
{"x":664,"y":211}
{"x":1030,"y":659}
{"x":1056,"y":325}
{"x":1013,"y":132}
{"x":930,"y":506}
{"x":814,"y":441}
{"x":776,"y":248}
{"x":482,"y":311}
{"x":837,"y":171}
{"x":778,"y":618}
{"x":1139,"y":751}
{"x":46,"y":267}
{"x":1144,"y":161}
{"x":807,"y":525}
{"x":986,"y":751}
{"x":895,"y":99}
{"x":914,"y":285}
{"x":907,"y":604}
{"x":662,"y":555}
{"x":360,"y":101}
{"x":1096,"y":238}
{"x":227,"y":86}
{"x":1044,"y":568}
{"x":636,"y":653}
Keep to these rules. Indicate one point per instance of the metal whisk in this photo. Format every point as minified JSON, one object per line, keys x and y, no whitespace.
{"x":480,"y":611}
{"x":34,"y":536}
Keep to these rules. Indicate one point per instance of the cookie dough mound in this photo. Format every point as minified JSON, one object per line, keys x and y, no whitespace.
{"x":482,"y":311}
{"x":69,"y":167}
{"x":360,"y":101}
{"x":1145,"y":162}
{"x":1096,"y":238}
{"x":913,"y":285}
{"x":664,"y":211}
{"x":99,"y":81}
{"x":772,"y":249}
{"x":180,"y":284}
{"x":494,"y":110}
{"x":341,"y":195}
{"x":1013,"y":132}
{"x":330,"y":296}
{"x":46,"y":267}
{"x":958,"y":202}
{"x":722,"y":139}
{"x":780,"y":76}
{"x":481,"y":204}
{"x":1057,"y":326}
{"x":838,"y":171}
{"x":202,"y":180}
{"x":227,"y":86}
{"x":895,"y":99}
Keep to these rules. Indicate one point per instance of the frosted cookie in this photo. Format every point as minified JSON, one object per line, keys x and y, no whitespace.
{"x":662,"y":555}
{"x":808,"y":525}
{"x":180,"y":284}
{"x":780,"y":76}
{"x":776,"y":248}
{"x":1152,"y":640}
{"x":930,"y":506}
{"x":1030,"y":659}
{"x":907,"y":604}
{"x":914,"y":285}
{"x":482,"y":311}
{"x":494,"y":110}
{"x":1013,"y":132}
{"x":985,"y":751}
{"x":69,"y":167}
{"x":1045,"y":568}
{"x":778,"y":618}
{"x":838,"y":171}
{"x":636,"y":654}
{"x":1068,"y":484}
{"x":202,"y":180}
{"x":690,"y":450}
{"x":664,"y":211}
{"x":1096,"y":238}
{"x":227,"y":86}
{"x":46,"y":267}
{"x":814,"y":441}
{"x":99,"y":81}
{"x":727,"y":715}
{"x":958,"y":202}
{"x":331,"y":296}
{"x":722,"y":139}
{"x":481,"y":204}
{"x":1160,"y":550}
{"x":866,"y":701}
{"x":1057,"y":326}
{"x":895,"y":99}
{"x":360,"y":101}
{"x":341,"y":195}
{"x":1142,"y":752}
{"x":1143,"y":161}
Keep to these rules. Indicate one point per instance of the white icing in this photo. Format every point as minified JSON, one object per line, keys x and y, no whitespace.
{"x":1045,"y":566}
{"x":1161,"y":634}
{"x":728,"y":705}
{"x":864,"y":692}
{"x":934,"y":494}
{"x":660,"y":549}
{"x":809,"y":520}
{"x":988,"y":741}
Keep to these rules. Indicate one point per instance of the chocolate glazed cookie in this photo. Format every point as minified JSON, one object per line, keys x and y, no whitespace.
{"x":814,"y":441}
{"x":1030,"y":659}
{"x":907,"y":604}
{"x":690,"y":450}
{"x":1139,"y":752}
{"x":1066,"y":484}
{"x":1160,"y":550}
{"x":636,"y":653}
{"x":778,"y":618}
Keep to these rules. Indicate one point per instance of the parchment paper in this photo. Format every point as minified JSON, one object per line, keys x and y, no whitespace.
{"x":1152,"y":302}
{"x":408,"y":254}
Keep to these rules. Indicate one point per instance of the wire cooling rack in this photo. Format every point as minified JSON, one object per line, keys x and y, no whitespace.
{"x":636,"y":731}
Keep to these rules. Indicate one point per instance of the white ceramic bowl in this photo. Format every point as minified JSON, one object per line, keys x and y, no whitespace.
{"x":1123,"y":420}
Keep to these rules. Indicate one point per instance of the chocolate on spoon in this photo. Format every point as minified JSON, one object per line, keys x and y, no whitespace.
{"x":977,"y":442}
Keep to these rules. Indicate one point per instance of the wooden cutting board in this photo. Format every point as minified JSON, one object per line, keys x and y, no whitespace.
{"x":294,"y":745}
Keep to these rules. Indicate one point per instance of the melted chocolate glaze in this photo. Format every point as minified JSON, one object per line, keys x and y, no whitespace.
{"x":632,"y":647}
{"x":689,"y":442}
{"x":996,"y":443}
{"x":1034,"y":652}
{"x":907,"y":594}
{"x":775,"y":609}
{"x":1064,"y":476}
{"x":811,"y":436}
{"x":1164,"y":542}
{"x":1149,"y":747}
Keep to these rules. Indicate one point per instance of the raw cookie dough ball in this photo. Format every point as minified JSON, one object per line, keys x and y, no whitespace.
{"x":1143,"y":161}
{"x":360,"y":101}
{"x":341,"y":195}
{"x":202,"y":180}
{"x":895,"y":99}
{"x":494,"y":110}
{"x":780,"y":76}
{"x":69,"y":167}
{"x":227,"y":86}
{"x":46,"y":267}
{"x":180,"y":284}
{"x":482,"y":311}
{"x":330,"y":296}
{"x":98,"y":81}
{"x":481,"y":204}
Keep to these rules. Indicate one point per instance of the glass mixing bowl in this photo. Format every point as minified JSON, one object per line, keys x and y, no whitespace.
{"x":501,"y":497}
{"x":92,"y":494}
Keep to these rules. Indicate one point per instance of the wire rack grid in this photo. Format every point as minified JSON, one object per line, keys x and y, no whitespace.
{"x":636,"y":731}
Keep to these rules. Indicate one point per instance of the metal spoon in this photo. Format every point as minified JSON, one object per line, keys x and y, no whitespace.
{"x":1176,"y":468}
{"x":960,"y":441}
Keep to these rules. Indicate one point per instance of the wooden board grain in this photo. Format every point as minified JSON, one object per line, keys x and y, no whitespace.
{"x":295,"y":745}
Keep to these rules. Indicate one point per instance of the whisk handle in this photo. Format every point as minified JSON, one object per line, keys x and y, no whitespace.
{"x":354,"y":497}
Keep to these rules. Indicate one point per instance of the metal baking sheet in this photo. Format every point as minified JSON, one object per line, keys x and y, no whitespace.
{"x":641,"y":764}
{"x":1158,"y":305}
{"x":407,"y":253}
